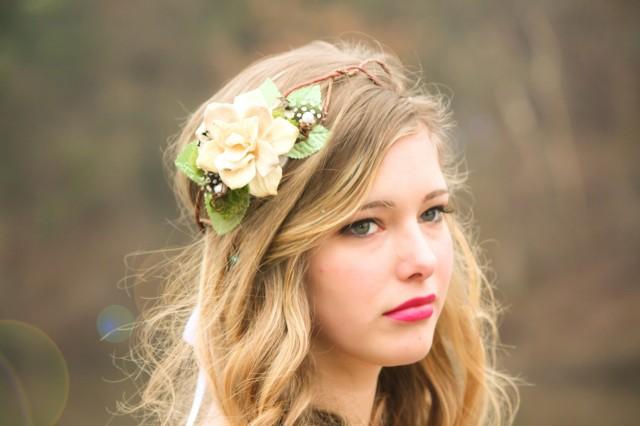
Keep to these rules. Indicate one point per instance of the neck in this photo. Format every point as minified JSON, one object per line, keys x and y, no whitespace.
{"x":345,"y":386}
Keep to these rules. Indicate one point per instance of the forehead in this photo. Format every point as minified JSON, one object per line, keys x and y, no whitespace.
{"x":411,"y":162}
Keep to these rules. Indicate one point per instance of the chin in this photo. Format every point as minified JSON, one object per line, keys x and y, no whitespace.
{"x":404,"y":353}
{"x":406,"y":358}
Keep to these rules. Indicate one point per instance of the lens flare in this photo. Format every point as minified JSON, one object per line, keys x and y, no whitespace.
{"x":34,"y":378}
{"x":115,"y":323}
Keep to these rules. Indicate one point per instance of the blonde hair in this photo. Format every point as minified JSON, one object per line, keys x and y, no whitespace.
{"x":255,"y":319}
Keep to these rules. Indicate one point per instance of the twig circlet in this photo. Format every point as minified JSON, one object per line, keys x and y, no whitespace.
{"x":347,"y":71}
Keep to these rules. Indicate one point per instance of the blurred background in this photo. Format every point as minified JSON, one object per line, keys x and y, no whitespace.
{"x":546,"y":95}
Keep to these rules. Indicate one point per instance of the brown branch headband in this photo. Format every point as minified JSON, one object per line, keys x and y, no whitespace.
{"x":225,"y":183}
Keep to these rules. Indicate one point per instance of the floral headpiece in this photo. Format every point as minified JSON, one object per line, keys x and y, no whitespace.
{"x":240,"y":148}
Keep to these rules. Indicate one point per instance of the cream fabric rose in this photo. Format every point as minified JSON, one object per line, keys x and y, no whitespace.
{"x":242,"y":142}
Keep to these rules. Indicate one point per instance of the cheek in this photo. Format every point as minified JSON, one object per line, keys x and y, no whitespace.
{"x":342,"y":289}
{"x":445,"y":264}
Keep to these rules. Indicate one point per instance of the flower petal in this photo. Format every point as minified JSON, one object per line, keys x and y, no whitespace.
{"x":262,"y":186}
{"x":266,"y":158}
{"x":250,"y":128}
{"x":261,"y":114}
{"x":233,"y":139}
{"x":252,"y":98}
{"x":235,"y":148}
{"x":202,"y":133}
{"x":236,"y":174}
{"x":219,"y":112}
{"x":281,"y":135}
{"x":208,"y":152}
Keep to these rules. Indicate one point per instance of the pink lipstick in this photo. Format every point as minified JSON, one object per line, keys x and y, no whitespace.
{"x":415,"y":309}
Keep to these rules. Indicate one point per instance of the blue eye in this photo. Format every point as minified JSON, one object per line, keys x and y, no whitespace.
{"x":366,"y":227}
{"x":436,"y":214}
{"x":361,"y":228}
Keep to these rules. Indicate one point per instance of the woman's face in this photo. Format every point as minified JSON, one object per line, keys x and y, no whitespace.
{"x":397,"y":249}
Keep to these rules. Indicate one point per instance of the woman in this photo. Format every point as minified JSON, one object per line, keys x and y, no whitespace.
{"x":332,"y":282}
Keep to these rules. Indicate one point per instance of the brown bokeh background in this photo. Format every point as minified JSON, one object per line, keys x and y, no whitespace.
{"x":547,"y":100}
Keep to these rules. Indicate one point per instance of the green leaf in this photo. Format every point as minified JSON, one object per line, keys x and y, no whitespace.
{"x":279,"y":113}
{"x":308,"y":95}
{"x":316,"y":140}
{"x":186,"y":163}
{"x":270,"y":93}
{"x":227,"y":212}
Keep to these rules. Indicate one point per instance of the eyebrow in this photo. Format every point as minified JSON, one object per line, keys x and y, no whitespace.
{"x":390,"y":204}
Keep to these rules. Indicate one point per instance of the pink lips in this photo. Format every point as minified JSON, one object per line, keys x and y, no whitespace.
{"x":415,"y":309}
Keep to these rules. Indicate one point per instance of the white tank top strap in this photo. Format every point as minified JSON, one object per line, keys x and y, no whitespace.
{"x":189,"y":335}
{"x":213,"y":416}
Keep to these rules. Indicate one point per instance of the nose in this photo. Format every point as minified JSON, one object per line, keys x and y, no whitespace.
{"x":416,"y":259}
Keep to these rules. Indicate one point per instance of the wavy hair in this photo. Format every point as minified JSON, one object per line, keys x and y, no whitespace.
{"x":255,"y":318}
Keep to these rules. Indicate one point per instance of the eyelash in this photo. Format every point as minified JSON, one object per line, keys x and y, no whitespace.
{"x":442,"y":209}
